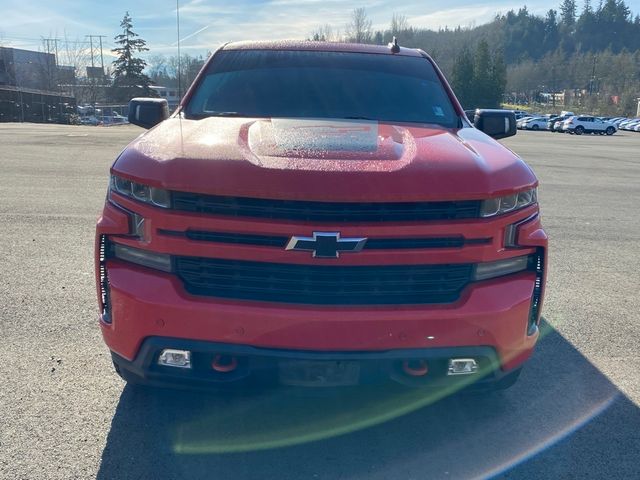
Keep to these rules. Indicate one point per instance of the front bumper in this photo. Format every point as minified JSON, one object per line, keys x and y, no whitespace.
{"x":267,"y":367}
{"x":491,"y":314}
{"x":147,"y":303}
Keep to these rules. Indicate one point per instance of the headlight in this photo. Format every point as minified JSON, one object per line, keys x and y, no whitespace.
{"x":140,"y":192}
{"x":159,"y":261}
{"x":500,"y":205}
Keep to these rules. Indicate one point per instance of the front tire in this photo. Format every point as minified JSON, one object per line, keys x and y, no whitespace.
{"x":535,"y":127}
{"x":610,"y":131}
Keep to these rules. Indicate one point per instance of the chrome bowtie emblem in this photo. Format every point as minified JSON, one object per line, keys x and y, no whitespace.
{"x":326,"y":244}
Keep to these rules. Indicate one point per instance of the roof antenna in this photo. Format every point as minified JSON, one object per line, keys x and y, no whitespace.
{"x":395,"y":48}
{"x":179,"y":77}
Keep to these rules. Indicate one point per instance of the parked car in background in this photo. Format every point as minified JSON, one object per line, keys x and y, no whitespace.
{"x":520,"y":123}
{"x":90,"y":120}
{"x":585,"y":124}
{"x":536,"y":123}
{"x":115,"y":119}
{"x":556,"y":126}
{"x":629,"y":124}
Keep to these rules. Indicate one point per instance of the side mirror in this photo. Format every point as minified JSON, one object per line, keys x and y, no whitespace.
{"x":148,"y":112}
{"x":496,"y":123}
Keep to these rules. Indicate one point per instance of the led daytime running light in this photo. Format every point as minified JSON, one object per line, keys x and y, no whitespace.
{"x":509,"y":203}
{"x":140,"y":192}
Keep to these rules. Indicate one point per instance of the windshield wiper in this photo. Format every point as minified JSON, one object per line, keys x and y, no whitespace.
{"x":355,"y":117}
{"x":199,"y":116}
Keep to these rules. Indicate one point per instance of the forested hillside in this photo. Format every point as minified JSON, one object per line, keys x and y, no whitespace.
{"x":588,"y":53}
{"x":591,"y":51}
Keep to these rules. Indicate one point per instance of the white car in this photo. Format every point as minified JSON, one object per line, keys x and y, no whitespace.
{"x":626,"y":122}
{"x":520,"y":123}
{"x":115,"y":119}
{"x":630,"y":125}
{"x":580,"y":125}
{"x":535,"y":123}
{"x":90,"y":120}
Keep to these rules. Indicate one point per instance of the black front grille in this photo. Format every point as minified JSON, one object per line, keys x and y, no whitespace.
{"x":325,"y":211}
{"x":323,"y":285}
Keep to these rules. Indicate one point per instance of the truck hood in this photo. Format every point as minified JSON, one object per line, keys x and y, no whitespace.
{"x":323,"y":160}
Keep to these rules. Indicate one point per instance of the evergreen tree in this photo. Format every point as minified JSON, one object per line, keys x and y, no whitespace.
{"x":498,"y":80}
{"x":568,"y":11}
{"x":551,"y":34}
{"x":482,"y":75}
{"x":479,"y":80}
{"x":462,"y":79}
{"x":129,"y":79}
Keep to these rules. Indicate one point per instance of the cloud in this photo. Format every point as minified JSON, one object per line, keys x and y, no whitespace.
{"x":207,"y":23}
{"x":455,"y":17}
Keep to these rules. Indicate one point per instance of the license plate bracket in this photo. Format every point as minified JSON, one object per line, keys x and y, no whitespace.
{"x":318,"y":373}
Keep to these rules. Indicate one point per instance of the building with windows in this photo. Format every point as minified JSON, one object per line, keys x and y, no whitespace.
{"x":171,"y":94}
{"x":29,"y":87}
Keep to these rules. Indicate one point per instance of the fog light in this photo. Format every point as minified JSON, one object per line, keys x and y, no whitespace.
{"x":175,"y":358}
{"x":462,"y":366}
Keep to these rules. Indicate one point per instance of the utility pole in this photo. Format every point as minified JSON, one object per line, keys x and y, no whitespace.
{"x":593,"y":76}
{"x":49,"y":41}
{"x":55,"y":76}
{"x":99,"y":37}
{"x":91,"y":47}
{"x":553,"y":86}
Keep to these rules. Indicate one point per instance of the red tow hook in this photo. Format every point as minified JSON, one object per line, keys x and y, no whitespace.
{"x":415,"y":368}
{"x":224,"y":363}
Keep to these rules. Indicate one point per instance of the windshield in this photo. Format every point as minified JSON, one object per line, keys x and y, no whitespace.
{"x":311,"y":84}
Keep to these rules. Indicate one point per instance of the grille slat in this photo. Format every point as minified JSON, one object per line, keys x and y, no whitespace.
{"x":325,"y":211}
{"x":372,"y":243}
{"x":327,"y":285}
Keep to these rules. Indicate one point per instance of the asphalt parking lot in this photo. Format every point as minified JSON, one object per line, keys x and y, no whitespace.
{"x":64,"y":414}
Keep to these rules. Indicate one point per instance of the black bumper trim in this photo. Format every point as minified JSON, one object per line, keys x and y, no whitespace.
{"x":259,"y":366}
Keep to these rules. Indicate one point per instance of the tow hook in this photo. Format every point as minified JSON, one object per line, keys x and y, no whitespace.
{"x":415,"y":368}
{"x":224,"y":363}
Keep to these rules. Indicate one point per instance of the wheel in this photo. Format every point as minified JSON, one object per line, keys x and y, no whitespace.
{"x":535,"y":127}
{"x":610,"y":131}
{"x":579,"y":130}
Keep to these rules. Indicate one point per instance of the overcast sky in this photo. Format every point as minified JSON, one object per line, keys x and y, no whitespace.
{"x":207,"y":23}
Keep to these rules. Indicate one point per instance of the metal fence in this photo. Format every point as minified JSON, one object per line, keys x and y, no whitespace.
{"x":26,"y":105}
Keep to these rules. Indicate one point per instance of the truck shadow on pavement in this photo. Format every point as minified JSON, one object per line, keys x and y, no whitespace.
{"x":563,"y":419}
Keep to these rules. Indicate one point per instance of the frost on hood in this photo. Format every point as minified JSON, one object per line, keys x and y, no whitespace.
{"x":292,"y":144}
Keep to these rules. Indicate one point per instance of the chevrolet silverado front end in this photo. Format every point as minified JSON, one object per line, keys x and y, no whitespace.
{"x":319,"y":214}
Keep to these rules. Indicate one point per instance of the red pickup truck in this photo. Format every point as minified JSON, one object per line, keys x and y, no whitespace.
{"x":319,"y":214}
